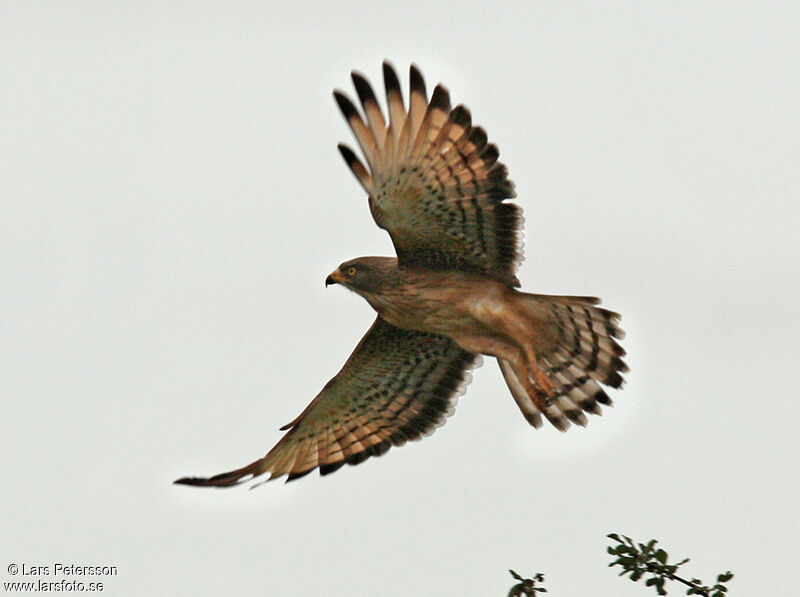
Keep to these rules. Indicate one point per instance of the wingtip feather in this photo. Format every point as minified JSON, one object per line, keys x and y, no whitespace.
{"x":416,"y":80}
{"x":440,"y":99}
{"x":347,"y":107}
{"x":363,"y":88}
{"x":390,"y":79}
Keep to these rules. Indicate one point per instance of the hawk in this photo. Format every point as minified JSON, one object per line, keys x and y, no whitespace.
{"x":434,"y":184}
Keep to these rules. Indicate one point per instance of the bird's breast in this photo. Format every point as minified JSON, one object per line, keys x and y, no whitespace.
{"x":437,"y":302}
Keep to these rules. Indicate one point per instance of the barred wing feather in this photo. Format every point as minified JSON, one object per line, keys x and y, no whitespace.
{"x":433,"y":180}
{"x":398,"y":385}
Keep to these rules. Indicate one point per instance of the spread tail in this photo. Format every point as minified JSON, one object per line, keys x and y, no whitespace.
{"x":577,"y":351}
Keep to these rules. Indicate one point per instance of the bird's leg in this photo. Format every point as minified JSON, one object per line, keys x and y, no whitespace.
{"x":543,"y":382}
{"x":542,"y":390}
{"x":519,"y":330}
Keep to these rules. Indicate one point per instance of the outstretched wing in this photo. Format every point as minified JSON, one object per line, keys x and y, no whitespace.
{"x":433,"y":180}
{"x":398,"y":385}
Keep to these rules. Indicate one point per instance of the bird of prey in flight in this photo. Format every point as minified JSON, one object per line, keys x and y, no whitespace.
{"x":434,"y":184}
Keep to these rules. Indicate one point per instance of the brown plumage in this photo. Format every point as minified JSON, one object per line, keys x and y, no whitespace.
{"x":435,"y":185}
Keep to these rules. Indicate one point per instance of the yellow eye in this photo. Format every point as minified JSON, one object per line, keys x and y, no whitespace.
{"x":351,"y":271}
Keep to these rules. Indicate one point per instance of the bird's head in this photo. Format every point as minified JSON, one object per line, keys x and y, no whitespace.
{"x":364,"y":274}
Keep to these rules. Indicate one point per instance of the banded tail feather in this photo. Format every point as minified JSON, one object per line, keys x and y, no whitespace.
{"x":578,"y":353}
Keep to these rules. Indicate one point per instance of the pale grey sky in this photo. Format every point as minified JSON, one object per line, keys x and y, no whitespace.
{"x":172,"y":200}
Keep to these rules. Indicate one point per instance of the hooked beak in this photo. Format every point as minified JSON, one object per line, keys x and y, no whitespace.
{"x":334,"y":278}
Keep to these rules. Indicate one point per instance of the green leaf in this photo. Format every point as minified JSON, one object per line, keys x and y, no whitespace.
{"x":661,"y":556}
